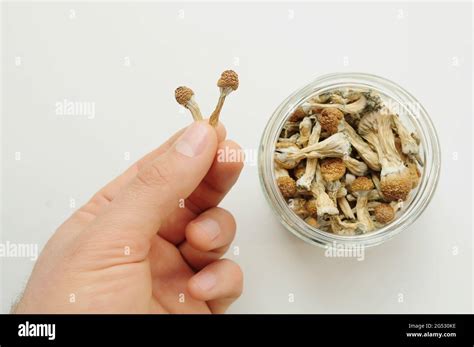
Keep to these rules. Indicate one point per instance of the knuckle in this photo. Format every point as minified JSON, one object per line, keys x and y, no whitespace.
{"x":98,"y":202}
{"x":155,"y":174}
{"x":88,"y":212}
{"x":84,"y":215}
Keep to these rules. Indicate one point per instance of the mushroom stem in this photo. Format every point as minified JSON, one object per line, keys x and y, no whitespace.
{"x":362,"y":147}
{"x":409,"y":144}
{"x":363,"y":214}
{"x":325,"y":205}
{"x":358,"y":168}
{"x":292,"y":139}
{"x":194,"y":109}
{"x":332,"y":189}
{"x":305,"y":132}
{"x":361,"y":188}
{"x":334,"y":146}
{"x":214,"y":118}
{"x":310,"y":170}
{"x":352,"y":108}
{"x":345,"y":207}
{"x":376,"y":181}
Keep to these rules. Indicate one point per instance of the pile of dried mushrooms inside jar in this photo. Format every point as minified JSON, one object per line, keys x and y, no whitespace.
{"x":345,"y":163}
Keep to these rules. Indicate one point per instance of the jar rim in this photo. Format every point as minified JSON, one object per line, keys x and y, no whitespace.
{"x":414,"y":111}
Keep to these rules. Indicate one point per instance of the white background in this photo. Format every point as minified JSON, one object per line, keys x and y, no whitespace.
{"x":79,"y":52}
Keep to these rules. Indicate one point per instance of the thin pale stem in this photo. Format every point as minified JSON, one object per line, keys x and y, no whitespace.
{"x":195,"y":111}
{"x":214,"y":118}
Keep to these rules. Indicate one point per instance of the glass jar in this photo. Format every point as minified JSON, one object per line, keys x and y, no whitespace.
{"x":413,"y":116}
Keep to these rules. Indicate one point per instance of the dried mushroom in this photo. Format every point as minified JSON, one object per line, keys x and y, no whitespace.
{"x":286,"y":184}
{"x":310,"y":169}
{"x":185,"y":96}
{"x":384,"y":213}
{"x":227,"y":83}
{"x":345,"y":163}
{"x":361,"y":188}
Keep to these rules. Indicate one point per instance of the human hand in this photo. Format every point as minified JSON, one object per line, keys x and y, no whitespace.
{"x":134,"y":247}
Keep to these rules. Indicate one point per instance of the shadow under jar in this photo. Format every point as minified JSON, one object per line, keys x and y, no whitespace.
{"x":413,"y":116}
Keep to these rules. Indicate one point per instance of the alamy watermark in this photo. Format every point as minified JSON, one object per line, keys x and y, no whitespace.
{"x":340,"y":250}
{"x":28,"y":329}
{"x":232,"y":155}
{"x":19,"y":250}
{"x":414,"y":108}
{"x":67,"y":107}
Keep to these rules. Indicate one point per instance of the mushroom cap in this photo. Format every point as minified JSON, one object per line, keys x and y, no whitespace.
{"x":287,"y":186}
{"x":396,"y":187}
{"x":362,"y":183}
{"x":183,"y":95}
{"x":311,"y":207}
{"x":312,"y":221}
{"x":333,"y":111}
{"x":384,"y":213}
{"x":299,"y":171}
{"x":329,"y":119}
{"x":297,"y":114}
{"x":332,"y":169}
{"x":228,"y":79}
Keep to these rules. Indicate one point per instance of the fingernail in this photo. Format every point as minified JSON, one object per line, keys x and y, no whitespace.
{"x":210,"y":227}
{"x":206,"y":280}
{"x":193,"y":141}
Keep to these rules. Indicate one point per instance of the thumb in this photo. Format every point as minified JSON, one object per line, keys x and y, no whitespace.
{"x":158,"y":188}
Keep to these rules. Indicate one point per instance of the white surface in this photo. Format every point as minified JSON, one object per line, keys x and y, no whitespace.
{"x":276,"y":48}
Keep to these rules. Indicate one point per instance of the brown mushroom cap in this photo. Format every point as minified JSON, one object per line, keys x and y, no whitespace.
{"x":384,"y":213}
{"x":311,"y":207}
{"x":332,"y":169}
{"x":287,"y":186}
{"x":299,"y":171}
{"x":362,"y":183}
{"x":396,"y":187}
{"x":297,"y":115}
{"x":329,"y":119}
{"x":183,"y":95}
{"x":312,"y":221}
{"x":228,"y":79}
